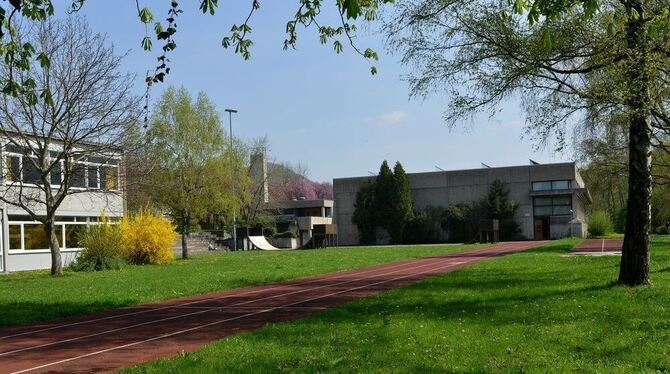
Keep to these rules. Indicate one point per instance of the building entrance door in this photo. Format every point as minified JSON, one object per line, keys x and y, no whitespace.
{"x":541,"y":228}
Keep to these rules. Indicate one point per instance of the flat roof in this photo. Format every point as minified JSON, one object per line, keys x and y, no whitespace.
{"x":292,"y":204}
{"x":471,"y":170}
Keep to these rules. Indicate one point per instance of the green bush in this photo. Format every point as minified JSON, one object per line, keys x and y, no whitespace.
{"x":662,"y":230}
{"x":422,"y":228}
{"x":102,"y":248}
{"x":270,"y":232}
{"x":600,"y":224}
{"x":285,"y":234}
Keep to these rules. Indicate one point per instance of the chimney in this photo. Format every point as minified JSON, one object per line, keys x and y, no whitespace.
{"x":259,"y":173}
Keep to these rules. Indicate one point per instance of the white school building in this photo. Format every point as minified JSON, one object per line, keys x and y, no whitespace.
{"x":23,"y":243}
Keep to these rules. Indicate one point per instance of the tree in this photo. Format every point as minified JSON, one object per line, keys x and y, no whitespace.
{"x":606,"y":176}
{"x":324,"y":190}
{"x":192,"y":169}
{"x":575,"y":63}
{"x":85,"y":118}
{"x":384,"y":202}
{"x":498,"y":205}
{"x":284,"y":181}
{"x":460,"y":221}
{"x":364,"y":212}
{"x":400,"y":203}
{"x":383,"y":198}
{"x":22,"y":55}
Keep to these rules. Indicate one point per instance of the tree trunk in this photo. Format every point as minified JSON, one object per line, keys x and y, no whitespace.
{"x":54,"y":247}
{"x":184,"y":245}
{"x":634,"y":268}
{"x":184,"y":235}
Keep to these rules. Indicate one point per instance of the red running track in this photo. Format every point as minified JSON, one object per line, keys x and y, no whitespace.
{"x":118,"y":338}
{"x":599,"y":245}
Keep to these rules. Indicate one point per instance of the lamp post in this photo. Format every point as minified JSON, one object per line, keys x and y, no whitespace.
{"x":232,"y":171}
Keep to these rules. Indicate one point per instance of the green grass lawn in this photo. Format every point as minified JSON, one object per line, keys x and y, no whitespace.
{"x":537,"y":311}
{"x":34,"y":296}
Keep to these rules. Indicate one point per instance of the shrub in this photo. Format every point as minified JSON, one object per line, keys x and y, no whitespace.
{"x":423,"y":227}
{"x":102,"y":245}
{"x":147,"y":238}
{"x":662,"y":230}
{"x":285,"y":234}
{"x":461,"y":221}
{"x":270,"y":232}
{"x":600,"y":224}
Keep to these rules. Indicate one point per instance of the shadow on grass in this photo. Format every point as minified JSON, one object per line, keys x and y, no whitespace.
{"x":17,"y":314}
{"x":555,"y":247}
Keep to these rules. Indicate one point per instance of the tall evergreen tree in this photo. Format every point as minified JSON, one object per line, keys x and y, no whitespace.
{"x":401,"y":206}
{"x":498,"y":205}
{"x":363,"y":215}
{"x":383,"y":206}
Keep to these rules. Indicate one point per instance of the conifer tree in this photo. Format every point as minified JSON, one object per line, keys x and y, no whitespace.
{"x":401,"y":204}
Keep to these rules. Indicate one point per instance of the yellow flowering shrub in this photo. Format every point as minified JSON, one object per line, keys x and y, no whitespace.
{"x":147,"y":238}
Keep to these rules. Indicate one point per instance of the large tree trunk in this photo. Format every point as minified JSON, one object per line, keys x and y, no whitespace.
{"x":634,"y":269}
{"x":54,"y":247}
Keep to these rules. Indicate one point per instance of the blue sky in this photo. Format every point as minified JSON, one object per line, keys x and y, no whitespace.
{"x":316,"y":107}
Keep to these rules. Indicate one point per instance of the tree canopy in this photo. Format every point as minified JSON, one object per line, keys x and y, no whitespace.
{"x":191,"y":172}
{"x":386,"y":203}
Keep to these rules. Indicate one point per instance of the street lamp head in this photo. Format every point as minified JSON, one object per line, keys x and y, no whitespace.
{"x":231,"y":110}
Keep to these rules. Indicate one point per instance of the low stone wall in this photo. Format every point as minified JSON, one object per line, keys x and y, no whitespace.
{"x":200,"y":242}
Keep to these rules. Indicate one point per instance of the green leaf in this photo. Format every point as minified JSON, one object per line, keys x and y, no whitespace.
{"x":44,"y":60}
{"x":208,"y":6}
{"x":146,"y":16}
{"x":351,"y":8}
{"x":338,"y":46}
{"x":46,"y":96}
{"x":29,"y":84}
{"x":32,"y":98}
{"x":146,"y":43}
{"x":373,"y":70}
{"x":371,"y":54}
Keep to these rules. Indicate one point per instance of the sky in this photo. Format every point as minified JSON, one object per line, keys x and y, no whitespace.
{"x":319,"y":108}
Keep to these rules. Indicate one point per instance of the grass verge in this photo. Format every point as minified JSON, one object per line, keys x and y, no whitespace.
{"x":537,"y":311}
{"x":34,"y":296}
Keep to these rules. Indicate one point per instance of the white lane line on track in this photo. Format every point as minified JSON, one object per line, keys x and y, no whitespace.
{"x":244,"y":307}
{"x":228,"y":320}
{"x":193,"y":313}
{"x":149,"y":309}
